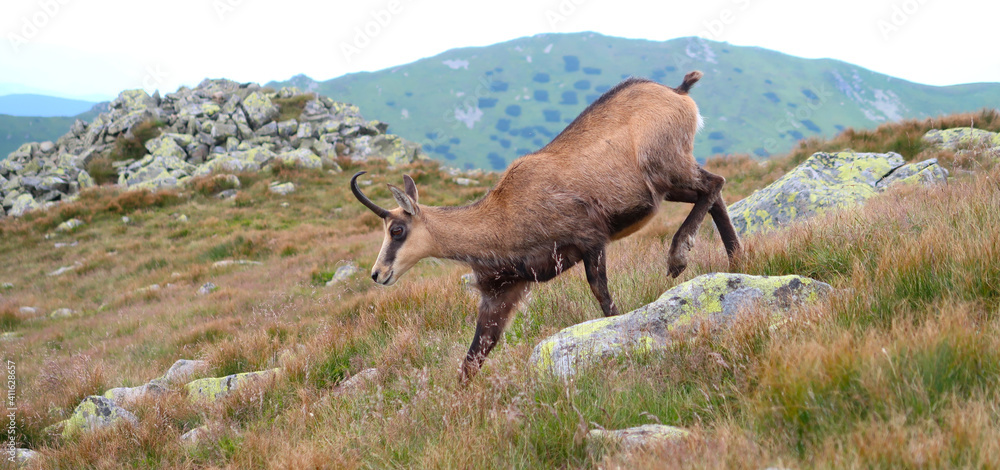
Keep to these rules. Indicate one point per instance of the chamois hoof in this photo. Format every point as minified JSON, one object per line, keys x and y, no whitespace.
{"x":675,"y":269}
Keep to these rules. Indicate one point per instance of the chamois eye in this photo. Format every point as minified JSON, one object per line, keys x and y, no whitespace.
{"x":396,"y":232}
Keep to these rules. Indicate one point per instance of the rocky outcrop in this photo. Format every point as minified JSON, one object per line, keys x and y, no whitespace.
{"x":827,"y":182}
{"x":714,"y":297}
{"x":220,"y":126}
{"x":962,"y":138}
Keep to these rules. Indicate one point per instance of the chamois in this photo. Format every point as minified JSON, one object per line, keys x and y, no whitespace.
{"x":601,"y":179}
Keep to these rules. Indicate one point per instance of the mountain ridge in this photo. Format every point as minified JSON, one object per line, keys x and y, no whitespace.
{"x":755,"y":100}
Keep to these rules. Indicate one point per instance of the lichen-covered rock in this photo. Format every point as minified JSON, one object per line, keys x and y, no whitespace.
{"x":926,"y":172}
{"x":23,"y":456}
{"x":220,"y":126}
{"x":343,"y":273}
{"x":132,"y":100}
{"x":823,"y":183}
{"x":165,"y":146}
{"x":183,"y":369}
{"x":22,"y":205}
{"x":302,"y":158}
{"x":627,"y":440}
{"x":283,"y":189}
{"x":259,"y":109}
{"x":95,"y":412}
{"x":215,"y":388}
{"x":357,"y":382}
{"x":959,"y":138}
{"x":714,"y":297}
{"x":123,"y":395}
{"x":69,"y":225}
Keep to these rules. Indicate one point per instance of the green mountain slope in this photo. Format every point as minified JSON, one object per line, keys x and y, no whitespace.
{"x":484,"y":106}
{"x":16,"y":130}
{"x":27,"y":104}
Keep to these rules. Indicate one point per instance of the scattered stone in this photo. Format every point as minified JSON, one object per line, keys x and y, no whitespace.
{"x":150,"y":288}
{"x":65,"y":245}
{"x":343,"y":273}
{"x":61,"y":313}
{"x":28,"y":311}
{"x":63,"y":270}
{"x":239,"y":262}
{"x":6,"y":286}
{"x":192,"y":437}
{"x":283,"y":189}
{"x":10,"y":336}
{"x":465,"y":181}
{"x":184,"y":369}
{"x":95,"y":412}
{"x":827,"y":182}
{"x":714,"y":297}
{"x":207,"y":288}
{"x":633,"y":439}
{"x":124,"y":395}
{"x":69,"y":225}
{"x":214,"y":388}
{"x":24,"y":456}
{"x":357,"y":382}
{"x":229,"y":193}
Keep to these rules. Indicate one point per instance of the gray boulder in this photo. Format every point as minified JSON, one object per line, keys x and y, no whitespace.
{"x":95,"y":412}
{"x":259,"y":109}
{"x":827,"y":182}
{"x":716,"y":298}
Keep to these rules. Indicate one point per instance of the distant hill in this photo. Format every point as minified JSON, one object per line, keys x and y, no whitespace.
{"x":16,"y":130}
{"x":42,"y":106}
{"x":484,"y":106}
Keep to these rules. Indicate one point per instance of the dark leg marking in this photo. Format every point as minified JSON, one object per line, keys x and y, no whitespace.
{"x":495,"y":307}
{"x":595,"y":264}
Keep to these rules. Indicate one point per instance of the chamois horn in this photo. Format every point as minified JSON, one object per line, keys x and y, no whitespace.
{"x":364,"y":199}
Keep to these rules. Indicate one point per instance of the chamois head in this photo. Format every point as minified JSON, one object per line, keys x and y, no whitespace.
{"x":406,"y":237}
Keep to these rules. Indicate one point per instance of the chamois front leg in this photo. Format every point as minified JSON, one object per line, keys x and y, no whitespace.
{"x":495,"y":307}
{"x":595,"y":264}
{"x":683,"y":241}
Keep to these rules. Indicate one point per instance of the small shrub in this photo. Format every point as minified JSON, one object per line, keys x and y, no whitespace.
{"x":132,"y":146}
{"x":291,"y":107}
{"x":101,"y":171}
{"x":239,"y":247}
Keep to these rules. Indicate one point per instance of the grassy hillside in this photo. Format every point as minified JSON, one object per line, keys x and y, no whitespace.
{"x":17,"y":130}
{"x":899,"y":369}
{"x":484,"y":106}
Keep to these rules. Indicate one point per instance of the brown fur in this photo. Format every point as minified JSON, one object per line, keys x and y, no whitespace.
{"x":599,"y":180}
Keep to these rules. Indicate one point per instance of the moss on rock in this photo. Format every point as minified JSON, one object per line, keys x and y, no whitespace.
{"x":716,"y":297}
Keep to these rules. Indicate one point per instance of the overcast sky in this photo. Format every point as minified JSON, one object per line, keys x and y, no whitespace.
{"x":96,"y":48}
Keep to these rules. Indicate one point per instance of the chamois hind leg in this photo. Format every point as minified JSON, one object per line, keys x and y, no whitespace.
{"x":595,"y":264}
{"x":720,"y":215}
{"x":706,"y":197}
{"x":495,"y":307}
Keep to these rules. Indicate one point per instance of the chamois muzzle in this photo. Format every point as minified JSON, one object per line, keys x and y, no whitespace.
{"x":364,"y":199}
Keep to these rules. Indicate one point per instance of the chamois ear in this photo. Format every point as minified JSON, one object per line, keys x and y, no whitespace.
{"x":411,"y":188}
{"x":408,"y":204}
